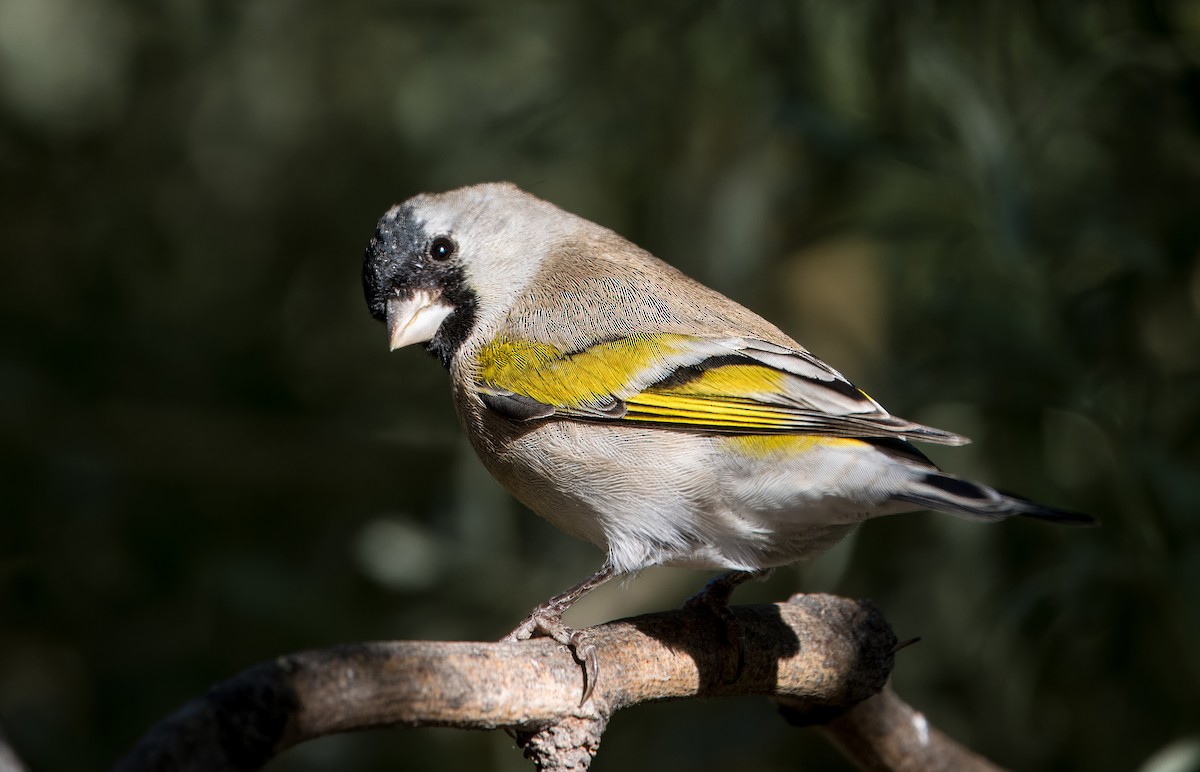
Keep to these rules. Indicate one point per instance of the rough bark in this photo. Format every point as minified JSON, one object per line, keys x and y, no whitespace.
{"x":819,"y":654}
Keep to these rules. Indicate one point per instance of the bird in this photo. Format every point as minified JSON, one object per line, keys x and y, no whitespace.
{"x":633,"y":407}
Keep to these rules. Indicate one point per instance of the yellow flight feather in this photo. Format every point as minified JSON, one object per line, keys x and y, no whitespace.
{"x":707,"y":410}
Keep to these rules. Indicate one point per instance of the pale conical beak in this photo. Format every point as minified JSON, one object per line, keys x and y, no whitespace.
{"x":416,"y":319}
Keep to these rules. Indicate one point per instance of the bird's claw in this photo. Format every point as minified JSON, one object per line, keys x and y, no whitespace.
{"x":546,"y":621}
{"x":585,"y":651}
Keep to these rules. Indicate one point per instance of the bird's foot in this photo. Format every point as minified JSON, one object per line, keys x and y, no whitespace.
{"x":714,"y":597}
{"x":546,"y":619}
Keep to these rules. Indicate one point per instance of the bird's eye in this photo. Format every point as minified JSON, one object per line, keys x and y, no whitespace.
{"x":441,"y":248}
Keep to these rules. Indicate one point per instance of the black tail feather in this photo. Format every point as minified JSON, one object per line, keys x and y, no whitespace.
{"x":1053,"y":514}
{"x":947,"y":493}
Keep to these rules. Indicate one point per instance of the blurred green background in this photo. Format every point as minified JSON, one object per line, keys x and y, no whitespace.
{"x":986,"y":214}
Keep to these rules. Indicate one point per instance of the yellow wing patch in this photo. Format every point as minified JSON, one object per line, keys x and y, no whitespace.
{"x":731,"y":398}
{"x":697,"y":384}
{"x":748,"y":381}
{"x":544,"y":373}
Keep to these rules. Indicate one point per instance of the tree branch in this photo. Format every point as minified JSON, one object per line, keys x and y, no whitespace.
{"x":884,"y":734}
{"x":821,"y":654}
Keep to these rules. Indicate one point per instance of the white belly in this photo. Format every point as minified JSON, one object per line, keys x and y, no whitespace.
{"x":650,"y":496}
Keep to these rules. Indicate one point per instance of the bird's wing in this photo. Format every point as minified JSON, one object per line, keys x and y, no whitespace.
{"x":688,"y":383}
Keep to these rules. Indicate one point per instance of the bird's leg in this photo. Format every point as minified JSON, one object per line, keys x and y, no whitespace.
{"x":715,"y":595}
{"x":546,"y":618}
{"x":715,"y":598}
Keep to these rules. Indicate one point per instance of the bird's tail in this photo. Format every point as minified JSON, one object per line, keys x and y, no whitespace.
{"x":947,"y":493}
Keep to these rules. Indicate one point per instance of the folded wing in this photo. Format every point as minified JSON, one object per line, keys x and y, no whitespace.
{"x":727,"y":385}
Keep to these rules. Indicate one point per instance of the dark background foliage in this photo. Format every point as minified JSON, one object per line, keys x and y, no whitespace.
{"x":987,"y":214}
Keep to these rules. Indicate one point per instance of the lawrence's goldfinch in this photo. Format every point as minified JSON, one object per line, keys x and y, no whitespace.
{"x":635,"y":408}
